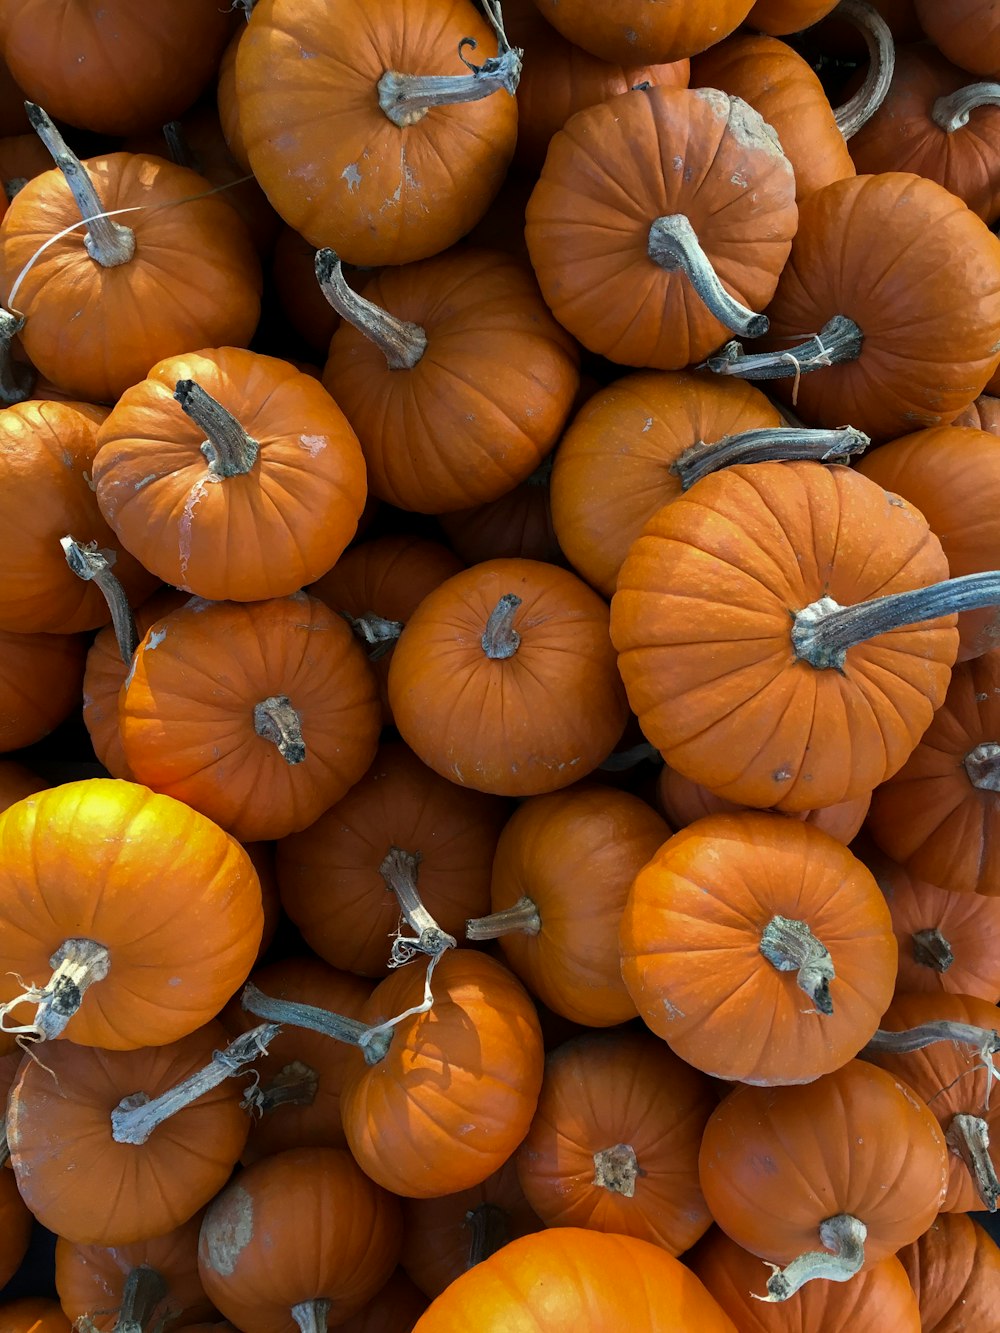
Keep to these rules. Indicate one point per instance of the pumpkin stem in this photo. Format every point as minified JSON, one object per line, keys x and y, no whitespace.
{"x":931,"y":949}
{"x":824,"y":631}
{"x":77,"y":964}
{"x":490,"y":1227}
{"x":617,"y":1169}
{"x":768,"y":444}
{"x":4,"y":1143}
{"x":859,"y":109}
{"x":904,"y":1041}
{"x":311,"y":1316}
{"x":399,"y":870}
{"x":107,"y":242}
{"x":500,"y":639}
{"x":17,"y":378}
{"x":673,"y":245}
{"x":90,"y":564}
{"x":522,"y":916}
{"x":838,"y":340}
{"x":135,"y":1117}
{"x":143,"y":1291}
{"x":275,"y":720}
{"x":620,"y":761}
{"x":378,"y":633}
{"x":982,"y":764}
{"x":844,"y":1237}
{"x":790,"y":946}
{"x":295,"y":1084}
{"x":952,"y":112}
{"x":400,"y":342}
{"x":178,"y":146}
{"x":968,"y":1136}
{"x":406,"y":98}
{"x":229,"y":449}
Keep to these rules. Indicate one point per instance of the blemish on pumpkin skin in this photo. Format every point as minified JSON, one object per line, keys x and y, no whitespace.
{"x":227,"y":1230}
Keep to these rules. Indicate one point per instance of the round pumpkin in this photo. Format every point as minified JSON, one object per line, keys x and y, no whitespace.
{"x":40,"y":684}
{"x":966,"y":31}
{"x":954,"y":1268}
{"x":627,"y":30}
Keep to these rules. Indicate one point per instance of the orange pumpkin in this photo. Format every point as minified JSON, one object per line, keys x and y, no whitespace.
{"x":394,"y":1309}
{"x":954,"y":1268}
{"x":626,"y":30}
{"x":33,"y":1314}
{"x":516,"y":526}
{"x":982,"y":414}
{"x":967,"y":31}
{"x":40,"y":683}
{"x":779,"y":17}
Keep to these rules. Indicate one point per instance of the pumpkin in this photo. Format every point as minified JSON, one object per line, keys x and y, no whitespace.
{"x":853,"y":1162}
{"x":293,"y":279}
{"x":22,"y":157}
{"x":301,"y":1236}
{"x":561,"y":875}
{"x":966,"y":31}
{"x":660,"y":221}
{"x":394,"y":1309}
{"x":704,"y":643}
{"x":33,"y":1314}
{"x":516,"y":526}
{"x":779,"y":17}
{"x":15,"y":1227}
{"x":614,"y":1143}
{"x":954,"y":1268}
{"x":566,"y":1279}
{"x":40,"y":682}
{"x":171,"y":906}
{"x":226,"y":101}
{"x":230,"y":475}
{"x":415,"y":365}
{"x":290,"y":725}
{"x":626,"y":30}
{"x":416,"y":162}
{"x":759,"y":948}
{"x":981,"y":414}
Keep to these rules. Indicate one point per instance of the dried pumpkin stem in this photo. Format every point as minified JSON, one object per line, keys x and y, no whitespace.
{"x":275,"y":720}
{"x":311,"y":1316}
{"x":623,"y":760}
{"x":673,"y":245}
{"x":768,"y":444}
{"x":295,"y":1084}
{"x":4,"y":1143}
{"x":844,"y":1237}
{"x":952,"y":112}
{"x":490,"y":1227}
{"x":337,"y":1026}
{"x":926,"y":1034}
{"x":982,"y":765}
{"x":838,"y":340}
{"x":378,"y":633}
{"x":859,"y":109}
{"x":178,"y":146}
{"x":931,"y":949}
{"x":617,"y":1169}
{"x":824,"y":631}
{"x":143,"y":1291}
{"x":77,"y":964}
{"x":790,"y":946}
{"x":968,"y":1136}
{"x":17,"y":378}
{"x":107,"y":242}
{"x":400,"y":342}
{"x":92,"y":565}
{"x":522,"y":916}
{"x":500,"y":639}
{"x":135,"y":1117}
{"x":399,"y":870}
{"x":230,"y":451}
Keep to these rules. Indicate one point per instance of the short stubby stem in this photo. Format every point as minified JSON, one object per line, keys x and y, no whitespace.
{"x":143,"y":1291}
{"x":617,"y":1169}
{"x":78,"y":964}
{"x":790,"y":946}
{"x":983,"y":766}
{"x":859,"y":109}
{"x":522,"y":916}
{"x":17,"y":378}
{"x":844,"y":1237}
{"x":839,"y":340}
{"x":399,"y":870}
{"x":379,"y":634}
{"x":952,"y":112}
{"x":968,"y":1136}
{"x":295,"y":1084}
{"x":673,"y":245}
{"x":490,"y":1228}
{"x":311,"y":1316}
{"x":931,"y":949}
{"x":768,"y":444}
{"x":275,"y":720}
{"x":92,"y":565}
{"x":400,"y":342}
{"x":500,"y":639}
{"x":228,"y":448}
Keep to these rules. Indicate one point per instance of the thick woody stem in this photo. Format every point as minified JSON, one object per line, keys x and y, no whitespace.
{"x":500,"y":639}
{"x":673,"y":245}
{"x":275,"y":720}
{"x":378,"y":633}
{"x":790,"y":946}
{"x":135,"y":1117}
{"x":823,"y":632}
{"x":143,"y":1291}
{"x":844,"y":1237}
{"x":490,"y":1228}
{"x":399,"y":870}
{"x":983,"y":766}
{"x":617,"y":1169}
{"x":401,"y":343}
{"x":884,"y":1042}
{"x":860,"y":108}
{"x":107,"y":242}
{"x":406,"y":98}
{"x":968,"y":1136}
{"x":768,"y":444}
{"x":92,"y":565}
{"x":17,"y":378}
{"x":311,"y":1316}
{"x":952,"y":112}
{"x":77,"y":964}
{"x":522,"y":916}
{"x":931,"y":949}
{"x":838,"y":340}
{"x":228,"y":448}
{"x":337,"y":1026}
{"x":295,"y":1084}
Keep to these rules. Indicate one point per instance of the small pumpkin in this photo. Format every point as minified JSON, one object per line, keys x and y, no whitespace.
{"x":954,"y":1268}
{"x":966,"y":31}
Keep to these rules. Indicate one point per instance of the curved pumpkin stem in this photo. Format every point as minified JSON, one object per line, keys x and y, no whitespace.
{"x":790,"y":946}
{"x":844,"y":1237}
{"x":143,"y":1291}
{"x":673,"y":245}
{"x":406,"y":98}
{"x":401,"y":343}
{"x":931,"y":949}
{"x":135,"y":1117}
{"x":399,"y":870}
{"x":295,"y":1084}
{"x":982,"y":764}
{"x":522,"y":916}
{"x":617,"y":1169}
{"x":77,"y":964}
{"x":823,"y":632}
{"x":275,"y":720}
{"x":107,"y":242}
{"x":91,"y":565}
{"x":500,"y":639}
{"x":379,"y":634}
{"x":968,"y":1136}
{"x":228,"y":448}
{"x":17,"y":378}
{"x":490,"y":1227}
{"x":311,"y":1316}
{"x":768,"y":444}
{"x":904,"y":1041}
{"x":860,"y":108}
{"x":838,"y":340}
{"x":952,"y":111}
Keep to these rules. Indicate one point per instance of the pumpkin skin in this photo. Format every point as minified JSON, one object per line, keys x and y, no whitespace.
{"x":259,"y":534}
{"x":40,"y":683}
{"x":535,"y":722}
{"x":566,"y":1279}
{"x":881,"y":1296}
{"x":773,"y":1163}
{"x":779,"y":17}
{"x":625,"y":30}
{"x":954,"y":1268}
{"x":423,"y":1138}
{"x":692,"y":960}
{"x":59,"y":1128}
{"x":72,"y":303}
{"x":938,"y":815}
{"x":772,"y":731}
{"x":384,"y":195}
{"x":394,"y":1309}
{"x":328,"y":875}
{"x":610,"y":174}
{"x":982,"y":414}
{"x":162,"y":887}
{"x":33,"y":1314}
{"x":15,"y":1227}
{"x":966,"y":31}
{"x":204,"y":749}
{"x":603,"y":1093}
{"x":517,"y":526}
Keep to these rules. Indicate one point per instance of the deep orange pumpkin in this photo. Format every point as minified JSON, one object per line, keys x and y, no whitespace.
{"x":954,"y":1268}
{"x":967,"y":31}
{"x":40,"y":684}
{"x":627,"y":30}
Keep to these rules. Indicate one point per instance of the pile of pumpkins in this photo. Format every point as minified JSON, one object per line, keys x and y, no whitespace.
{"x":512,"y":493}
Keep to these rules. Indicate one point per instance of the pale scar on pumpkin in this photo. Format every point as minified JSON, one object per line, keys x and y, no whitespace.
{"x":229,"y":1230}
